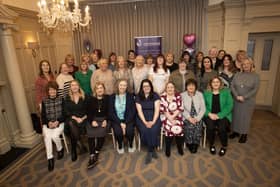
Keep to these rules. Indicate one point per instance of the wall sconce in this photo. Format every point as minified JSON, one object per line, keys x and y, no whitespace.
{"x":33,"y":46}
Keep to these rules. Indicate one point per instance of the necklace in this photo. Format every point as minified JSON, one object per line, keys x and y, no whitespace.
{"x":99,"y":104}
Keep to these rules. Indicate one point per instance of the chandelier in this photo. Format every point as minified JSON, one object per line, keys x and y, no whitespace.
{"x":57,"y":14}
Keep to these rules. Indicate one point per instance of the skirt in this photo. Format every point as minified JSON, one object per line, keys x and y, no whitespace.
{"x":99,"y":131}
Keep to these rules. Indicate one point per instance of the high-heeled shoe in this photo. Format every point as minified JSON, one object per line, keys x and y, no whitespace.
{"x":233,"y":135}
{"x":243,"y":138}
{"x":60,"y":154}
{"x":51,"y":164}
{"x":74,"y":155}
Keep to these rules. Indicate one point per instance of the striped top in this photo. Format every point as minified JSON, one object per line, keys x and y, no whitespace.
{"x":63,"y":82}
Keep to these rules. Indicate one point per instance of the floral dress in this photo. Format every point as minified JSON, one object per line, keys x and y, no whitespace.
{"x":172,"y":129}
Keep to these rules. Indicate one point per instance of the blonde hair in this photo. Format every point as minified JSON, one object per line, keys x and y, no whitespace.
{"x":118,"y":59}
{"x":81,"y":92}
{"x":102,"y":61}
{"x":95,"y":87}
{"x":69,"y":56}
{"x":84,"y":56}
{"x":253,"y":69}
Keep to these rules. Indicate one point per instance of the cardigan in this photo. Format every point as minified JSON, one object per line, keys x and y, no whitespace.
{"x":179,"y":81}
{"x":198,"y":102}
{"x":130,"y":110}
{"x":226,"y":103}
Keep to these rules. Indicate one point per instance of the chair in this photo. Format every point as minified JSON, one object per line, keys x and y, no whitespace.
{"x":203,"y":139}
{"x":113,"y":137}
{"x":161,"y":137}
{"x":63,"y":138}
{"x":115,"y":144}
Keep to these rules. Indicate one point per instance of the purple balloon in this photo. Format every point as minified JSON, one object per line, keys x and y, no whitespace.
{"x":189,"y":39}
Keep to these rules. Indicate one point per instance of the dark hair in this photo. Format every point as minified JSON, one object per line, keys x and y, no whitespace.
{"x":51,"y":84}
{"x":130,"y":51}
{"x":186,"y":53}
{"x":163,"y":65}
{"x":202,"y":71}
{"x":149,"y":56}
{"x":191,"y":81}
{"x":41,"y":73}
{"x":98,"y":52}
{"x":141,"y":93}
{"x":198,"y":53}
{"x":110,"y":55}
{"x":231,"y":65}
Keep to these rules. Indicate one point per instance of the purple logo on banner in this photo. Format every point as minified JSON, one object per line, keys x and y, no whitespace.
{"x":148,"y":45}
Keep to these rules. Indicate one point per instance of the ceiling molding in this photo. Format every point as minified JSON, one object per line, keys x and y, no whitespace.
{"x":7,"y":16}
{"x":107,"y":2}
{"x":24,"y":12}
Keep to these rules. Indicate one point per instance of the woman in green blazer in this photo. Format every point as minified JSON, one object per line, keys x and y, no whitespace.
{"x":219,"y":104}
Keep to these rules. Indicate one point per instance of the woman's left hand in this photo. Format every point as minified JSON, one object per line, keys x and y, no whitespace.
{"x":104,"y":124}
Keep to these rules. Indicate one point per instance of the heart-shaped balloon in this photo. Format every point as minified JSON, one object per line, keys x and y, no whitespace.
{"x":189,"y":39}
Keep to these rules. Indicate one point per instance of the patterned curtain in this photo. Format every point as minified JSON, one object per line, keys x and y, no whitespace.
{"x":115,"y":25}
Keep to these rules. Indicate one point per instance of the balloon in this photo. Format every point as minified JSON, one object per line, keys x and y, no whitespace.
{"x":189,"y":39}
{"x":190,"y":50}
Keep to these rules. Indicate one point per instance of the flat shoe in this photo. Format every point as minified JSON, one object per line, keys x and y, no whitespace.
{"x":213,"y":150}
{"x":222,"y":151}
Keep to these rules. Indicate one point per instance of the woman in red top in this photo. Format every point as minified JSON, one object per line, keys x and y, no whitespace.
{"x":171,"y":108}
{"x":45,"y":75}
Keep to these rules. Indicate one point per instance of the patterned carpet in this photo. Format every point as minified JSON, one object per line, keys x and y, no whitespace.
{"x":256,"y":163}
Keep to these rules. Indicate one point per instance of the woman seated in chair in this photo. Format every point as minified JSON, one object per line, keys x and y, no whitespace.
{"x":147,"y":120}
{"x":172,"y":119}
{"x":218,"y":113}
{"x":52,"y":120}
{"x":194,"y":109}
{"x":75,"y":107}
{"x":122,"y":115}
{"x":98,"y":122}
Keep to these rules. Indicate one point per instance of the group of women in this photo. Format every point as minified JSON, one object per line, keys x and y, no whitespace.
{"x":152,"y":97}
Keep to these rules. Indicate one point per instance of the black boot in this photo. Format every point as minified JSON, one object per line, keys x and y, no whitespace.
{"x":74,"y":154}
{"x":50,"y":164}
{"x":167,"y":151}
{"x":60,"y":154}
{"x":92,"y":161}
{"x":190,"y":146}
{"x":233,"y":135}
{"x":194,"y":148}
{"x":243,"y":138}
{"x":180,"y":149}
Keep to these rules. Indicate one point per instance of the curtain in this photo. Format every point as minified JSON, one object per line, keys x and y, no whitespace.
{"x":114,"y":26}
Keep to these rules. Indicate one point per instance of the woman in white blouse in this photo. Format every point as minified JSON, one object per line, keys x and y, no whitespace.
{"x":159,"y":74}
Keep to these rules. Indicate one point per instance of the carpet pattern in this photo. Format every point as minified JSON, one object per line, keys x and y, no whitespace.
{"x":256,"y":163}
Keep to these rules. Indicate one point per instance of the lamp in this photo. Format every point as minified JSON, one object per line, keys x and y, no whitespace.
{"x":33,"y":46}
{"x":57,"y":14}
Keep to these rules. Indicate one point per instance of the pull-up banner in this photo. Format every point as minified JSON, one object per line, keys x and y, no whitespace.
{"x":145,"y":45}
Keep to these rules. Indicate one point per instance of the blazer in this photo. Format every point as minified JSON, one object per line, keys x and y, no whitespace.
{"x":226,"y":103}
{"x":130,"y":110}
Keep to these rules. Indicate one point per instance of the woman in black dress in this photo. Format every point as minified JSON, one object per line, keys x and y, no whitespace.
{"x":97,"y":118}
{"x":75,"y":108}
